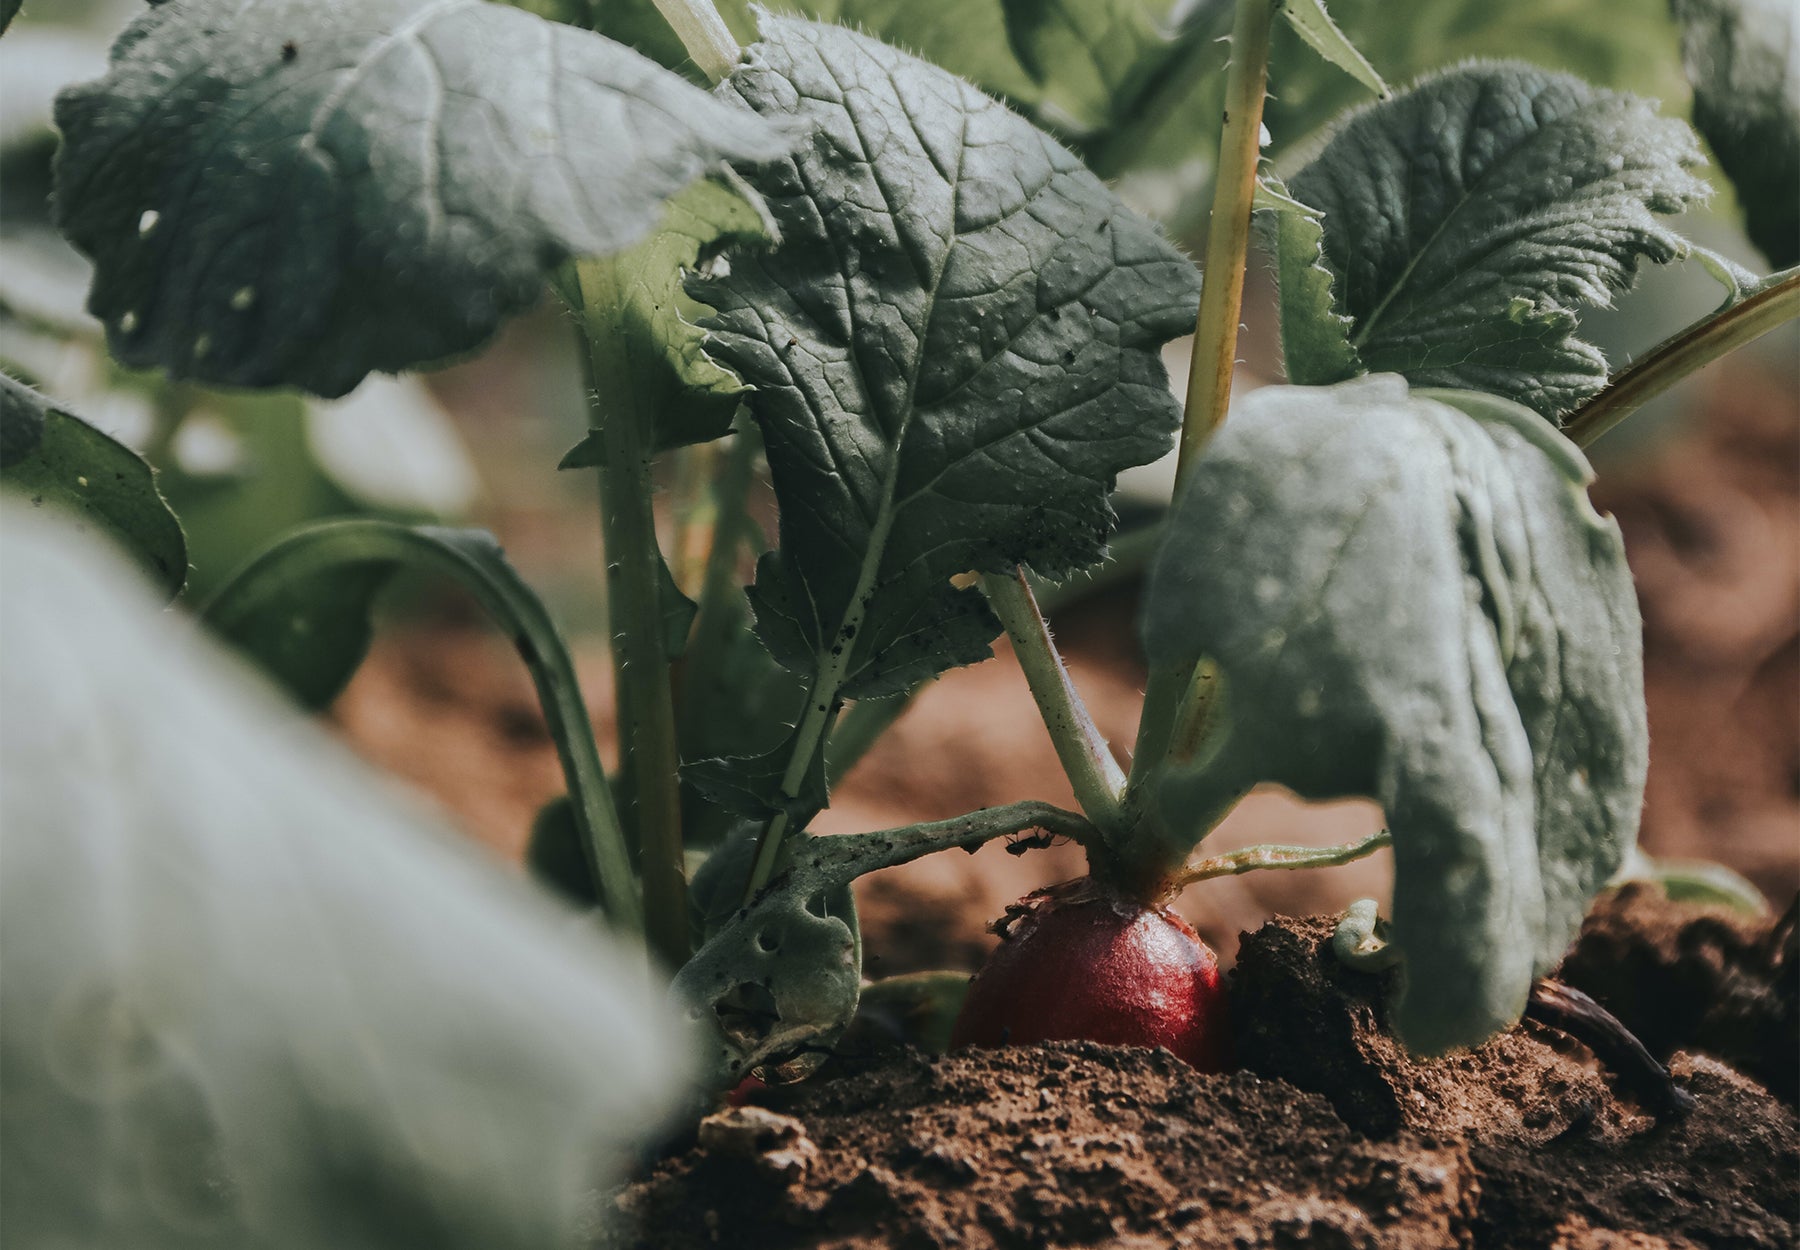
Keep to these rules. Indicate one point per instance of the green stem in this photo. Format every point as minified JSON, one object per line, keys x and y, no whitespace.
{"x":1086,"y":759}
{"x":338,"y":546}
{"x":1172,"y":687}
{"x":1687,"y":352}
{"x":847,"y":856}
{"x":704,"y":34}
{"x":862,"y":725}
{"x":1228,"y":233}
{"x":1254,"y":858}
{"x":645,"y":698}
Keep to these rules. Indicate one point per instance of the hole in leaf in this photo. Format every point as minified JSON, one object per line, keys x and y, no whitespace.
{"x":747,"y":1013}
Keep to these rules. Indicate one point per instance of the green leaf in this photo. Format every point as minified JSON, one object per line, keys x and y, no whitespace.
{"x":637,"y":301}
{"x":300,"y":193}
{"x":1743,"y":57}
{"x":304,"y":611}
{"x":1314,"y":25}
{"x":1315,"y":336}
{"x":51,"y":456}
{"x":1417,"y":603}
{"x":251,"y":998}
{"x":1469,"y":219}
{"x":954,"y":352}
{"x":9,"y":9}
{"x":777,"y":981}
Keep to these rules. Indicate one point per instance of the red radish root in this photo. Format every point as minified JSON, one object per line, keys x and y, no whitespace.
{"x":1094,"y":964}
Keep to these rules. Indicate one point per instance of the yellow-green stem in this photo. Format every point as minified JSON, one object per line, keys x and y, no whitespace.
{"x":1172,"y":687}
{"x":1254,"y":858}
{"x":1228,"y":232}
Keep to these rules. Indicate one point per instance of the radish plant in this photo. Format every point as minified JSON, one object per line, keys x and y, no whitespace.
{"x":943,"y":328}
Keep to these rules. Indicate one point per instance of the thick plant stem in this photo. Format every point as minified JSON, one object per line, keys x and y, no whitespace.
{"x":1255,"y":858}
{"x":1687,"y":352}
{"x":704,"y":34}
{"x":1228,"y":234}
{"x":1172,"y":687}
{"x":645,"y":698}
{"x":1088,"y":762}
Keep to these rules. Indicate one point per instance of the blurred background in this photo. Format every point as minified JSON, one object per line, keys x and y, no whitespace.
{"x":1706,"y":484}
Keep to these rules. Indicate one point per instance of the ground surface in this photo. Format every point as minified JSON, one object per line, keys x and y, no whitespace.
{"x":1329,"y":1137}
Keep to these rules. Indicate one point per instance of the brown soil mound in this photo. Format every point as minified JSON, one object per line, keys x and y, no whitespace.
{"x":1696,"y":978}
{"x":1332,"y":1138}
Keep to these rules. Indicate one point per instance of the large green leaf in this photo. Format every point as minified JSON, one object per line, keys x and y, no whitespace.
{"x":635,"y":301}
{"x":1469,"y":219}
{"x":297,"y":192}
{"x":955,"y":350}
{"x":51,"y":456}
{"x":9,"y":9}
{"x":1418,"y":604}
{"x":1743,"y":57}
{"x":250,"y":998}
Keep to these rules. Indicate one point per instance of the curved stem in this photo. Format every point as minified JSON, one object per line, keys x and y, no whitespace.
{"x":1269,"y":855}
{"x":1086,"y":759}
{"x":1688,"y":352}
{"x":704,"y":34}
{"x":474,"y":561}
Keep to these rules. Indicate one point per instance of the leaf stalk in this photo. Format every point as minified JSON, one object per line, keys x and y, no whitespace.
{"x":1274,"y":855}
{"x":704,"y":34}
{"x":1687,"y":352}
{"x":648,"y":747}
{"x":1097,"y":779}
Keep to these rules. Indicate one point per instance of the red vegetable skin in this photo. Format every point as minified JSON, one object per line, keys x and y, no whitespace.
{"x":1103,"y":968}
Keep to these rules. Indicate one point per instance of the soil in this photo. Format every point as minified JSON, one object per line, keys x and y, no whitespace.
{"x":1329,"y":1136}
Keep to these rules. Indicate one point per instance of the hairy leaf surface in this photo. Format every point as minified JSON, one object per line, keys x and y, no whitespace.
{"x":1315,"y":335}
{"x":1469,"y":219}
{"x":954,"y":352}
{"x":295,"y":192}
{"x":1416,"y":603}
{"x":251,"y":999}
{"x":1743,"y":57}
{"x":49,"y":455}
{"x":637,"y":301}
